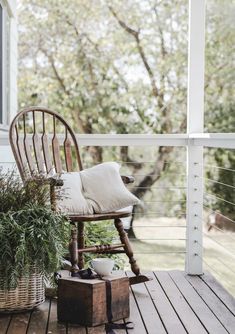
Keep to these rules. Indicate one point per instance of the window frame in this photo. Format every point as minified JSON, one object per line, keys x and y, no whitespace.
{"x":5,"y":66}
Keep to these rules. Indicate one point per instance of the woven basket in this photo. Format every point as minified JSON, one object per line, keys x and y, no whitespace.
{"x":30,"y":292}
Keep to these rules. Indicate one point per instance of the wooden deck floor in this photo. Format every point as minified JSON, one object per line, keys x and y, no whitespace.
{"x":171,"y":303}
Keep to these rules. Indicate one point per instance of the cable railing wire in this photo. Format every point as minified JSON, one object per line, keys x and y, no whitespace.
{"x":217,"y":167}
{"x":221,"y":245}
{"x":160,"y":188}
{"x":224,"y":264}
{"x":162,"y":252}
{"x":217,"y":212}
{"x":218,"y":182}
{"x":217,"y":259}
{"x":217,"y":228}
{"x":214,"y":270}
{"x":162,"y":226}
{"x":150,"y":162}
{"x":178,"y":201}
{"x":163,"y":174}
{"x":219,"y":198}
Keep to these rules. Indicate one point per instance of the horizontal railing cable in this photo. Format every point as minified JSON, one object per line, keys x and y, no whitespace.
{"x":221,"y":245}
{"x":219,"y":198}
{"x":163,"y":252}
{"x":184,"y":226}
{"x":150,"y":162}
{"x":157,"y":239}
{"x":153,"y":215}
{"x":218,"y":182}
{"x":144,"y":239}
{"x":225,"y":265}
{"x":160,"y":188}
{"x":218,"y":167}
{"x":217,"y":259}
{"x":215,"y":271}
{"x":227,"y":235}
{"x":217,"y":212}
{"x":162,"y":175}
{"x":178,"y":201}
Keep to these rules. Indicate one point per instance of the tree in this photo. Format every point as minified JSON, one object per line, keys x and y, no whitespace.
{"x":219,"y":102}
{"x":111,"y":67}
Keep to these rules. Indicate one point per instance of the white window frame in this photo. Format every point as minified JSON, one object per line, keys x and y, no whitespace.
{"x":6,"y":17}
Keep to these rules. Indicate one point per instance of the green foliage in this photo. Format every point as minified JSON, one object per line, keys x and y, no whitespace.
{"x":14,"y":196}
{"x":34,"y":236}
{"x":219,"y":71}
{"x":75,"y":57}
{"x":31,"y":234}
{"x":226,"y":160}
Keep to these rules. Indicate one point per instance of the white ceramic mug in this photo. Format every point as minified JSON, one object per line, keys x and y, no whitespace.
{"x":102,"y":266}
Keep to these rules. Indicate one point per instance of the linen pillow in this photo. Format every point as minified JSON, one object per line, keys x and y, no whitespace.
{"x":104,"y":189}
{"x":72,"y":199}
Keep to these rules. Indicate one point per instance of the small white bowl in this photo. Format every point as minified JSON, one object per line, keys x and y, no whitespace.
{"x":102,"y":266}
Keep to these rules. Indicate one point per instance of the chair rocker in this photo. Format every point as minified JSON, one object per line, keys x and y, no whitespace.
{"x":39,"y":154}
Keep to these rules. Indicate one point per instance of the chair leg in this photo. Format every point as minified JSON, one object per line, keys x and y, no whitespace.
{"x":73,"y":246}
{"x":81,"y":244}
{"x":128,"y":249}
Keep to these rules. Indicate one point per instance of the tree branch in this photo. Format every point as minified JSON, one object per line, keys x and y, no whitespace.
{"x":142,"y":54}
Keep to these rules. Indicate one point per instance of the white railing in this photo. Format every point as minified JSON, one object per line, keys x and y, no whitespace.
{"x":194,"y":175}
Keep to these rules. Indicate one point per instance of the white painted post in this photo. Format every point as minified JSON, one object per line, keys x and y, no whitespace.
{"x":195,"y":124}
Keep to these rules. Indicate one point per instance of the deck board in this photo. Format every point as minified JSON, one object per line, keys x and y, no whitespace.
{"x":221,"y":293}
{"x":169,"y":317}
{"x":172,"y":302}
{"x":4,"y":323}
{"x":214,"y":303}
{"x":39,"y":319}
{"x":147,"y":309}
{"x":19,"y":323}
{"x":203,"y":312}
{"x":184,"y":311}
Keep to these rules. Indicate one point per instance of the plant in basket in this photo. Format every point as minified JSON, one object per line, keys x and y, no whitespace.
{"x":32,"y":242}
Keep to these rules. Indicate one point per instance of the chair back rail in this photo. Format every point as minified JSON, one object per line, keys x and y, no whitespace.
{"x":35,"y":152}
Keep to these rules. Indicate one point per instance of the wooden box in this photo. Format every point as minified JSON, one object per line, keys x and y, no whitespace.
{"x":83,"y":301}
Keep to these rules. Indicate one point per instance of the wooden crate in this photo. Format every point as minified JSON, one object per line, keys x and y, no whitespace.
{"x":83,"y":301}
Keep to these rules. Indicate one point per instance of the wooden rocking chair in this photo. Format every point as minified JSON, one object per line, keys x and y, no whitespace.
{"x":38,"y":154}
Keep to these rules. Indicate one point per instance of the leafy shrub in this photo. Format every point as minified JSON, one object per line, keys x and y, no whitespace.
{"x":31,"y":234}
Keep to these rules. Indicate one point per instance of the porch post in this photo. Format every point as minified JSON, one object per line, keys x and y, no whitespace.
{"x":195,"y":124}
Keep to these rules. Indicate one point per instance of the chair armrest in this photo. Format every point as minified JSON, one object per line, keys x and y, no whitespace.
{"x":55,"y":181}
{"x":127,"y":179}
{"x":52,"y":181}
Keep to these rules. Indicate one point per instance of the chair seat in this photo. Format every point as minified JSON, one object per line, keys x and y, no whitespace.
{"x":99,"y":216}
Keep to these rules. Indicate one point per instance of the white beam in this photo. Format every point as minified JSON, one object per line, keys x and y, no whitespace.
{"x":195,"y":123}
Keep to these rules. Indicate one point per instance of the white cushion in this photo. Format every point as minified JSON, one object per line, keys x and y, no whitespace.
{"x":104,"y":189}
{"x":71,"y":198}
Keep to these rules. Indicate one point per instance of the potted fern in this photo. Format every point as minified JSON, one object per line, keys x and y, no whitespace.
{"x":32,"y":242}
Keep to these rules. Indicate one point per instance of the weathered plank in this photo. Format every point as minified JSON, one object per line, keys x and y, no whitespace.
{"x":168,"y":316}
{"x":186,"y":314}
{"x":205,"y":315}
{"x":147,"y":309}
{"x":218,"y":289}
{"x":4,"y":322}
{"x":19,"y":323}
{"x":54,"y":327}
{"x":96,"y":330}
{"x":39,"y":318}
{"x":214,"y":303}
{"x":76,"y":329}
{"x":135,"y":317}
